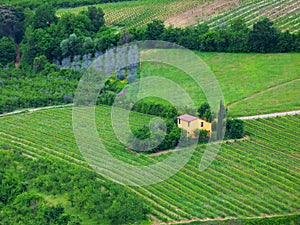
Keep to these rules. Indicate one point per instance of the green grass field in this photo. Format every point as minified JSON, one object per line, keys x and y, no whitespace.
{"x":284,"y":98}
{"x":249,"y":178}
{"x":241,"y":76}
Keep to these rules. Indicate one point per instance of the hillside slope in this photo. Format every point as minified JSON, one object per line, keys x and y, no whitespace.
{"x":284,"y":13}
{"x":250,"y":178}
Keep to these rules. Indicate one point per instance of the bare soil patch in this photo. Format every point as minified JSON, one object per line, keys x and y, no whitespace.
{"x":201,"y":12}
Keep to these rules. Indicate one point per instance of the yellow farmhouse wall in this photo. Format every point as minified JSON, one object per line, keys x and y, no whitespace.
{"x":194,"y":125}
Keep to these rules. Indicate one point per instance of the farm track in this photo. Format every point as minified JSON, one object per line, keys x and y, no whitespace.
{"x":262,"y":116}
{"x":34,"y":109}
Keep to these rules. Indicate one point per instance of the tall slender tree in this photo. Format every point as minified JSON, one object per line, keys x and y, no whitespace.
{"x":220,"y":125}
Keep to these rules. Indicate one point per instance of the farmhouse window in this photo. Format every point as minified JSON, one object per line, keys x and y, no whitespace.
{"x":188,"y":124}
{"x":202,"y":124}
{"x":178,"y":121}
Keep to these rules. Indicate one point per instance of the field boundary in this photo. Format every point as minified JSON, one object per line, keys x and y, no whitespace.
{"x":264,"y":116}
{"x":35,"y":109}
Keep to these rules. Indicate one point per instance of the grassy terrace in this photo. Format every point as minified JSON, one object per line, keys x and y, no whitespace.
{"x":240,"y":76}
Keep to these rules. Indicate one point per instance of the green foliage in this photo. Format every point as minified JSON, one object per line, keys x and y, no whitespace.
{"x":146,"y":139}
{"x":42,"y":177}
{"x":106,"y":38}
{"x":156,"y":137}
{"x":158,"y":109}
{"x":44,"y":16}
{"x":39,"y":63}
{"x":186,"y":140}
{"x":11,"y":22}
{"x":96,"y":15}
{"x":7,"y":50}
{"x":41,"y":42}
{"x":263,"y":38}
{"x":201,"y":134}
{"x":204,"y":112}
{"x":155,"y":30}
{"x":69,"y":45}
{"x":124,"y":209}
{"x":70,"y":23}
{"x":220,"y":122}
{"x":234,"y":128}
{"x":48,"y":87}
{"x":20,"y":205}
{"x":239,"y":36}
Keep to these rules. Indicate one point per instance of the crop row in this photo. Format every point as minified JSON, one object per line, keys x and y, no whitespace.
{"x":258,"y":176}
{"x":285,"y":13}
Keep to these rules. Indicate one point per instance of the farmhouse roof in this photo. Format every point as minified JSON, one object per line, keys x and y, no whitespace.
{"x":187,"y":117}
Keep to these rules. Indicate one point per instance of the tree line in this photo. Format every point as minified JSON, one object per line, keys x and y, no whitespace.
{"x":42,"y":33}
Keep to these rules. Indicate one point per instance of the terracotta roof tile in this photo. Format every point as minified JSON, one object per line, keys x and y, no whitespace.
{"x":187,"y":117}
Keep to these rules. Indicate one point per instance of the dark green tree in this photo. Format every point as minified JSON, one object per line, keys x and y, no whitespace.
{"x":12,"y":25}
{"x":70,"y":23}
{"x":204,"y":112}
{"x":7,"y":50}
{"x":11,"y":22}
{"x":155,"y":30}
{"x":125,"y":37}
{"x":96,"y":15}
{"x":263,"y":37}
{"x":44,"y":16}
{"x":39,"y":63}
{"x":234,"y":128}
{"x":285,"y":42}
{"x":171,"y":34}
{"x":220,"y":123}
{"x":69,"y":46}
{"x":127,"y":209}
{"x":238,"y":36}
{"x":40,"y":42}
{"x":208,"y":42}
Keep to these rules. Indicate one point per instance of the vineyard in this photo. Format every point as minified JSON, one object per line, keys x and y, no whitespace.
{"x":137,"y":13}
{"x":248,"y":178}
{"x":285,"y":13}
